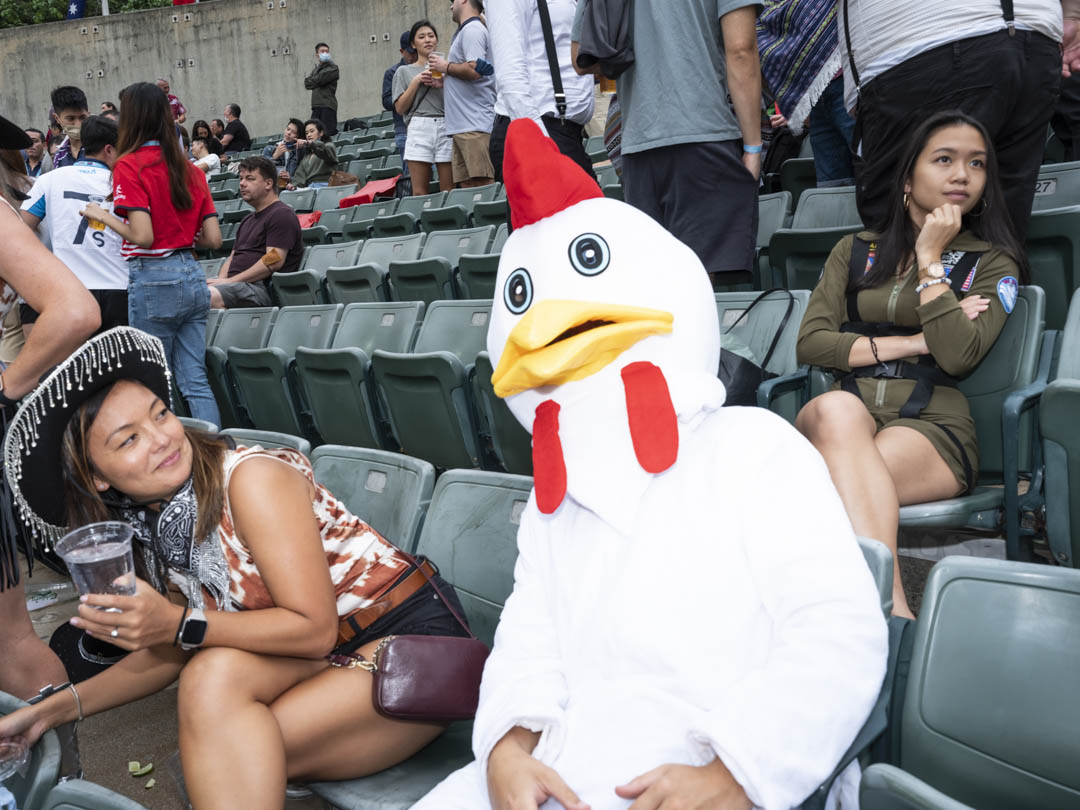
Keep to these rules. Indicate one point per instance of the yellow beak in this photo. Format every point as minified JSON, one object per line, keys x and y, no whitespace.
{"x":539,"y":352}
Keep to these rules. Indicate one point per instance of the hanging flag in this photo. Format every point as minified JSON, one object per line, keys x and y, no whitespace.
{"x":76,"y":9}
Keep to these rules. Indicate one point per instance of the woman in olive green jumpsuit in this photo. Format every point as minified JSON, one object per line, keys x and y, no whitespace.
{"x":918,"y":306}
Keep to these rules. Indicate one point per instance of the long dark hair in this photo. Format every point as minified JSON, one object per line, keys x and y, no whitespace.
{"x":145,"y":115}
{"x":416,"y":26}
{"x":201,"y":124}
{"x":896,"y":238}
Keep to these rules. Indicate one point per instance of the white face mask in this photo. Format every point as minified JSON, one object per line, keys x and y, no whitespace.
{"x":73,"y":133}
{"x":324,"y":57}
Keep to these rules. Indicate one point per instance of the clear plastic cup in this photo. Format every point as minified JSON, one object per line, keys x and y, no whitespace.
{"x":436,"y":74}
{"x":99,"y":558}
{"x":14,"y":757}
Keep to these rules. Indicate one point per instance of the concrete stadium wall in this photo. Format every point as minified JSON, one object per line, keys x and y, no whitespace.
{"x":252,"y":52}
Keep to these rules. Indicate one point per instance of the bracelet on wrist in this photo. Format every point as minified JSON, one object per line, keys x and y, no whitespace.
{"x":752,"y":150}
{"x":930,"y":283}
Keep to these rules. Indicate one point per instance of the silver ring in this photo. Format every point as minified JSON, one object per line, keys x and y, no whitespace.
{"x":115,"y":632}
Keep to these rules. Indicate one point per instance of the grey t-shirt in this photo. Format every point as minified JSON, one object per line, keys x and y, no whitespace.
{"x":676,"y":90}
{"x":470,"y":106}
{"x":428,"y":101}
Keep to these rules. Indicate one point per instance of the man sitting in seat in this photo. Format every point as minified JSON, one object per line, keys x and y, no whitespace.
{"x":268,"y":240}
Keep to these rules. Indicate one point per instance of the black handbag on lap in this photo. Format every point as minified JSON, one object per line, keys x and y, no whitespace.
{"x":741,"y":377}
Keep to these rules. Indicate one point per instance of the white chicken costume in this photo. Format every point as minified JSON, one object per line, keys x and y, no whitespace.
{"x":688,"y":584}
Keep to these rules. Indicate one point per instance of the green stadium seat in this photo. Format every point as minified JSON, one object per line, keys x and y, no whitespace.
{"x":212,"y":266}
{"x":496,"y":212}
{"x":265,"y":378}
{"x":774,"y":213}
{"x":336,"y":382}
{"x":228,"y":238}
{"x":269,"y":439}
{"x":427,"y":394}
{"x":476,"y":274}
{"x":198,"y":424}
{"x":302,"y":200}
{"x":879,"y":559}
{"x":510,"y":444}
{"x":241,"y":328}
{"x":335,"y":222}
{"x":388,"y":491}
{"x":430,"y":277}
{"x":607,"y":176}
{"x":614,"y":192}
{"x":797,"y":175}
{"x":405,"y":219}
{"x":823,"y":216}
{"x":315,"y":235}
{"x":1053,"y":251}
{"x":989,"y":715}
{"x":233,"y":210}
{"x":328,"y":197}
{"x":31,"y":788}
{"x":78,"y":794}
{"x":457,"y":209}
{"x":227,"y":189}
{"x":826,"y":208}
{"x":368,"y":279}
{"x":502,"y":233}
{"x":305,"y":286}
{"x":1058,"y":186}
{"x":360,"y":140}
{"x":393,"y":162}
{"x":471,"y":534}
{"x":359,"y":227}
{"x":213,"y":318}
{"x":786,"y":393}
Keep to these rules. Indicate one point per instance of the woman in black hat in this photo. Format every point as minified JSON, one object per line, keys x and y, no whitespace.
{"x":244,"y":560}
{"x":27,"y":269}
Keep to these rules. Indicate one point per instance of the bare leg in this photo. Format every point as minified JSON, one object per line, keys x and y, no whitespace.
{"x":332,"y":731}
{"x":840,"y":427}
{"x":919,"y":473}
{"x":420,"y":172}
{"x":28,"y":663}
{"x":216,"y":301}
{"x":446,"y":176}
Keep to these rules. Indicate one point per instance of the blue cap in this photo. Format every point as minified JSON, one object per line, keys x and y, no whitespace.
{"x":406,"y":43}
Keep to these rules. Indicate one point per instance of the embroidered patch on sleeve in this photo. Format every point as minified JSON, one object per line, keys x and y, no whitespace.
{"x":1008,"y":289}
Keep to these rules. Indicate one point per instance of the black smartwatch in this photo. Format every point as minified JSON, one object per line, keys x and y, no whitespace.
{"x":193,"y":632}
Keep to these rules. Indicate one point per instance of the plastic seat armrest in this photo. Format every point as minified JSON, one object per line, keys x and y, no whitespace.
{"x":798,"y":380}
{"x":886,"y":787}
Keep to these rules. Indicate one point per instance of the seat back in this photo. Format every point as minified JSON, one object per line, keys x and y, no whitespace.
{"x":388,"y":491}
{"x":502,"y":233}
{"x":198,"y":424}
{"x":760,"y":325}
{"x":418,"y":204}
{"x":459,"y":327}
{"x":211,"y":266}
{"x":1068,"y":366}
{"x":244,"y":328}
{"x":301,"y":200}
{"x":471,"y":534}
{"x":388,"y":249}
{"x":880,"y":561}
{"x":512,"y":442}
{"x":1058,"y":186}
{"x":469,"y":197}
{"x":450,"y":245}
{"x":311,"y":326}
{"x":379,"y":208}
{"x":773,"y":211}
{"x":1053,"y":251}
{"x":991,"y":714}
{"x":1011,"y":363}
{"x":797,"y":175}
{"x":335,"y":255}
{"x":327,"y":198}
{"x":78,"y":794}
{"x":213,"y":318}
{"x":269,"y":439}
{"x":335,"y":220}
{"x":827,"y":208}
{"x":389,"y":326}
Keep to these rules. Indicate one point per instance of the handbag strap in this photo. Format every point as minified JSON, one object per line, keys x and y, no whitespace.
{"x":783,"y":321}
{"x":850,"y":54}
{"x":553,"y":58}
{"x":431,"y":582}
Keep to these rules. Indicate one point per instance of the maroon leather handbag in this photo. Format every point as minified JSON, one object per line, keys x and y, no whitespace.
{"x":431,"y":679}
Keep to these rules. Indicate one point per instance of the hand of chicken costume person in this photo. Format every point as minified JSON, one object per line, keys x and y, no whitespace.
{"x":708,"y":787}
{"x":519,"y":781}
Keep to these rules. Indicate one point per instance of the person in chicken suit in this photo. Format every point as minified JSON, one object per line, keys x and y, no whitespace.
{"x":692,"y":620}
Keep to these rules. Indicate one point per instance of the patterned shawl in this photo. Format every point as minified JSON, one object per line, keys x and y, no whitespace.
{"x":800,"y":53}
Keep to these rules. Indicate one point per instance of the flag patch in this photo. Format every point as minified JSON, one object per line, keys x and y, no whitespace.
{"x":1008,"y":289}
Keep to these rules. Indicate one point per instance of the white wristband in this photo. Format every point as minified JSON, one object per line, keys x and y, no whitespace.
{"x":930,"y":283}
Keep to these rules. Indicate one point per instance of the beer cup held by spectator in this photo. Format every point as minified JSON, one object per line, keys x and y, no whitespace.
{"x":607,"y":86}
{"x":436,"y":74}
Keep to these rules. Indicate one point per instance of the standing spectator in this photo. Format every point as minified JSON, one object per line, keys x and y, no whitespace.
{"x":169,"y":210}
{"x":469,"y":96}
{"x":217,"y":128}
{"x":178,"y":110}
{"x":283,"y":153}
{"x":70,"y":110}
{"x":108,"y":107}
{"x":267,"y":241}
{"x":915,"y":57}
{"x":37,"y":159}
{"x":408,"y":56}
{"x":525,"y":88}
{"x":316,"y":156}
{"x":68,"y":316}
{"x":1065,"y":121}
{"x":322,"y":82}
{"x":89,"y":249}
{"x":694,"y":169}
{"x":234,"y":137}
{"x":418,"y":97}
{"x":207,"y":154}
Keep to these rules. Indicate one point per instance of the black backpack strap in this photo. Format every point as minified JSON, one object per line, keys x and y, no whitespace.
{"x":851,"y":56}
{"x":961,"y":270}
{"x":553,"y":58}
{"x":783,"y":321}
{"x":860,"y":255}
{"x":1010,"y":17}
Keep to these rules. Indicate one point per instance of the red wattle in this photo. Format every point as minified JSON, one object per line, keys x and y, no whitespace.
{"x":654,"y":428}
{"x":549,"y":467}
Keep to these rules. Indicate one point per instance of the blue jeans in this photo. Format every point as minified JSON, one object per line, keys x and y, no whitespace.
{"x":831,"y":130}
{"x":168,"y":297}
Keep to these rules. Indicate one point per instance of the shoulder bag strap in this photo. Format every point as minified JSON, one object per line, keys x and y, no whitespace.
{"x":783,"y":321}
{"x":860,"y":254}
{"x":553,"y":58}
{"x":850,"y":55}
{"x":431,"y":582}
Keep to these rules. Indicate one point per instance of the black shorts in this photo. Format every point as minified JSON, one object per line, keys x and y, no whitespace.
{"x":422,"y":614}
{"x":705,"y":196}
{"x":113,"y":304}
